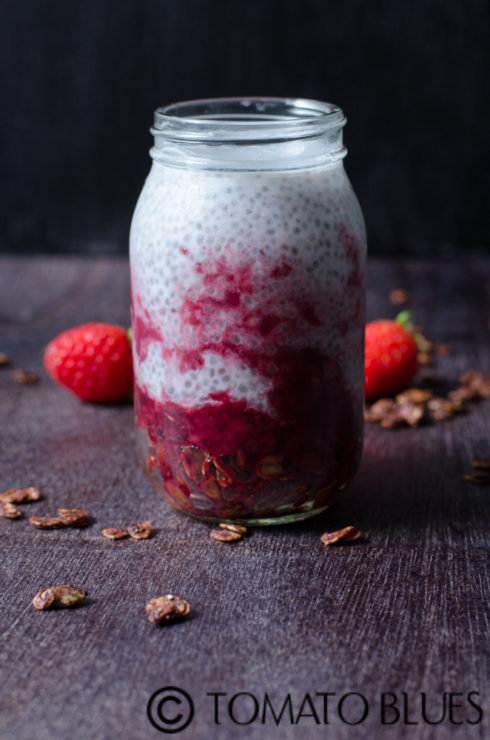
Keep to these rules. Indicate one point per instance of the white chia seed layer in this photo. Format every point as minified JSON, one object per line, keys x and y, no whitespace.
{"x":187,"y":222}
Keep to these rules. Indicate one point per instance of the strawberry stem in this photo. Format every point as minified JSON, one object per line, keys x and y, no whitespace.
{"x":404,"y":318}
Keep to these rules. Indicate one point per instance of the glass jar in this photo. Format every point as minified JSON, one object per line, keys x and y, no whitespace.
{"x":247,"y":271}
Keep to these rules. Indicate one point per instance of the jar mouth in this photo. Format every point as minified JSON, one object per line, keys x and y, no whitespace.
{"x":247,"y":119}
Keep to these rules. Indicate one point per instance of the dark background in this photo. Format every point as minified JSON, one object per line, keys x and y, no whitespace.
{"x":80,"y":81}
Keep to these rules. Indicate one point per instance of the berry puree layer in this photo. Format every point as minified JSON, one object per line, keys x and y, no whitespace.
{"x":248,"y":325}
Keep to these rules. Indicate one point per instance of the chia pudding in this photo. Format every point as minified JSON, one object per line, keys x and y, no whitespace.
{"x":247,"y":274}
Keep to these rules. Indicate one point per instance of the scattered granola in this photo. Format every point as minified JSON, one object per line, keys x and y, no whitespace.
{"x":166,"y":609}
{"x":225,"y":535}
{"x":464,"y":393}
{"x":391,"y":421}
{"x":114,"y":533}
{"x":440,"y":408}
{"x":356,"y":536}
{"x":181,"y":607}
{"x":412,"y":414}
{"x":443,"y":349}
{"x":414,"y":395}
{"x":140,"y":530}
{"x":4,"y":359}
{"x":238,"y":528}
{"x":471,"y":376}
{"x":416,"y":405}
{"x":25,"y":377}
{"x":390,"y":413}
{"x":9,"y":511}
{"x":21,"y":495}
{"x":479,"y":477}
{"x":398,"y":296}
{"x":347,"y":534}
{"x":158,"y":609}
{"x":46,"y":522}
{"x":58,"y":597}
{"x":380,"y":409}
{"x":424,"y":358}
{"x":477,"y":381}
{"x":44,"y":599}
{"x":481,"y":464}
{"x":74,"y":517}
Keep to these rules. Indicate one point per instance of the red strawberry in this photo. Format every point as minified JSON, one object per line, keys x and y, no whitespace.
{"x":390,"y":358}
{"x":93,"y":361}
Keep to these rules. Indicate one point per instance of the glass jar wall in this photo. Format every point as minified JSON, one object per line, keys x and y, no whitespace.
{"x":247,"y":269}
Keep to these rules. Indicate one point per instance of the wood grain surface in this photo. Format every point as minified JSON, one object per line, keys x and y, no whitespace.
{"x":404,"y":611}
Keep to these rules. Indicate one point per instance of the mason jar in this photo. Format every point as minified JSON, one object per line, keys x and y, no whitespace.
{"x":247,"y":272}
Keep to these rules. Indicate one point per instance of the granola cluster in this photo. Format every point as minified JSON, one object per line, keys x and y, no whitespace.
{"x":24,"y":377}
{"x":65,"y":518}
{"x":346,"y":534}
{"x":228,"y":532}
{"x":137,"y":531}
{"x":417,"y":406}
{"x":58,"y":597}
{"x":9,"y":500}
{"x":167,"y":609}
{"x":480,"y":475}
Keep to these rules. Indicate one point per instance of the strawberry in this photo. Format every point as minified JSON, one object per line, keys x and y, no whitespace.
{"x":390,"y":357}
{"x":93,"y":361}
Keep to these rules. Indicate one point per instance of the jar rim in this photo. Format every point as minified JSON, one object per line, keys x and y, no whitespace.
{"x":246,"y":119}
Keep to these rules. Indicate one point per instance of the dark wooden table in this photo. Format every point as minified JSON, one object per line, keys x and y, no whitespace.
{"x":401,"y":614}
